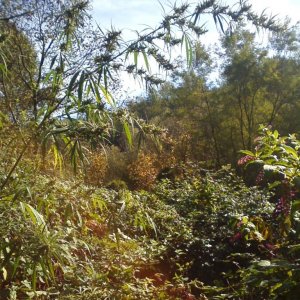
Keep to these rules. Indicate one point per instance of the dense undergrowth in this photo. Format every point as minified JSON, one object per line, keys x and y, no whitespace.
{"x":202,"y":235}
{"x":104,"y":200}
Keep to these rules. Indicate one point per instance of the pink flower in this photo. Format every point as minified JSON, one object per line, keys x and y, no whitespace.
{"x":259,"y":177}
{"x":243,"y":160}
{"x":270,"y":246}
{"x":282,"y":207}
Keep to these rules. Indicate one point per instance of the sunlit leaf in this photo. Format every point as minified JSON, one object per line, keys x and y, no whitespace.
{"x":135,"y":57}
{"x":35,"y":216}
{"x":80,"y":86}
{"x":127,"y":133}
{"x":107,"y":96}
{"x":146,"y":61}
{"x":247,"y":152}
{"x":72,"y":81}
{"x":4,"y":273}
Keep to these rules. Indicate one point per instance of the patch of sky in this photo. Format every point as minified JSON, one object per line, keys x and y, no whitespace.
{"x":133,"y":16}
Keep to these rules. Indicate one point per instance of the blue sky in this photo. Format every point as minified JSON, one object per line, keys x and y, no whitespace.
{"x":130,"y":15}
{"x":133,"y":14}
{"x":127,"y":14}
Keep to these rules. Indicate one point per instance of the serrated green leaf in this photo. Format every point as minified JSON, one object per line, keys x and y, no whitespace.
{"x":188,"y":50}
{"x":135,"y":57}
{"x":291,"y":151}
{"x":107,"y":96}
{"x":247,"y":152}
{"x":72,"y":81}
{"x":53,"y":61}
{"x":35,"y":216}
{"x":80,"y":86}
{"x":48,"y":75}
{"x":95,"y":89}
{"x":146,"y":61}
{"x":127,"y":133}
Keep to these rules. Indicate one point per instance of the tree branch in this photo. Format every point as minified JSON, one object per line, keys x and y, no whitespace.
{"x":15,"y":16}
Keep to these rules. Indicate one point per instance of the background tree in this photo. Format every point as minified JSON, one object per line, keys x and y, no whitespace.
{"x":258,"y":84}
{"x":76,"y":66}
{"x":17,"y":84}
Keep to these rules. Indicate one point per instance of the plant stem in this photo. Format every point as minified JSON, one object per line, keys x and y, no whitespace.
{"x":14,"y":166}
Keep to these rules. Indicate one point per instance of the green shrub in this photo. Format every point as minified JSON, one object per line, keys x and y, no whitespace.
{"x":212,"y":205}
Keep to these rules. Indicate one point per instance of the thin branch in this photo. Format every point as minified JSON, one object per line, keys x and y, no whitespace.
{"x":16,"y":16}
